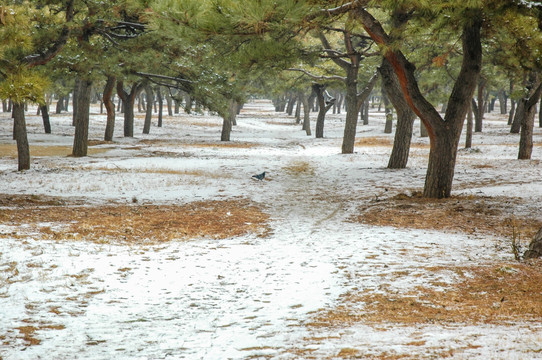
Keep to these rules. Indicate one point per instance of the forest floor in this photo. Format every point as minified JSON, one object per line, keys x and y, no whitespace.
{"x":163,"y":246}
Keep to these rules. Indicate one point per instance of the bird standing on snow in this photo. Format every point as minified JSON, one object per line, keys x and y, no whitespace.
{"x":259,"y":176}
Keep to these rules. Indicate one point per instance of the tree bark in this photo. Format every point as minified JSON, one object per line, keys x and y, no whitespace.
{"x":128,"y":100}
{"x":109,"y":107}
{"x":228,"y":120}
{"x":80,"y":141}
{"x":45,"y":116}
{"x":405,"y":117}
{"x":20,"y":134}
{"x":479,"y":109}
{"x":527,"y":119}
{"x":468,"y":137}
{"x":306,"y":113}
{"x":160,"y":106}
{"x":75,"y":97}
{"x":443,"y":133}
{"x":323,"y":108}
{"x":148,"y":113}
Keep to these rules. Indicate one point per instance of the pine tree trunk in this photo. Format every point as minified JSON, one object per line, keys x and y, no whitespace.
{"x":19,"y":132}
{"x":128,"y":101}
{"x":405,"y":117}
{"x":59,"y":105}
{"x":479,"y":116}
{"x":298,"y":108}
{"x":389,"y":116}
{"x":228,"y":120}
{"x":75,"y":97}
{"x":468,"y":137}
{"x":351,"y":100}
{"x":148,"y":113}
{"x":109,"y":107}
{"x":527,"y":119}
{"x":160,"y":106}
{"x":323,"y":109}
{"x":503,"y":102}
{"x":306,"y":114}
{"x":189,"y":104}
{"x":291,"y":103}
{"x":45,"y":116}
{"x":80,"y":141}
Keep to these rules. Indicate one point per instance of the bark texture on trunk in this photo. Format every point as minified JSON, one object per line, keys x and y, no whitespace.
{"x":128,"y":101}
{"x":527,"y":118}
{"x":306,"y":113}
{"x":227,"y":122}
{"x":80,"y":140}
{"x":109,"y":107}
{"x":443,"y":133}
{"x":45,"y":116}
{"x":20,"y":135}
{"x":323,"y":108}
{"x":405,"y":117}
{"x":148,"y":112}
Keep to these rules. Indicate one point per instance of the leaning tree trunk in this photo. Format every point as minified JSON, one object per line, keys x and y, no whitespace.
{"x":109,"y":107}
{"x":80,"y":141}
{"x":19,"y":132}
{"x":45,"y":116}
{"x":148,"y":113}
{"x":405,"y":117}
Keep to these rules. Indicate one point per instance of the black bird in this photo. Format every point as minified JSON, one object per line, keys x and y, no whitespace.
{"x":259,"y":176}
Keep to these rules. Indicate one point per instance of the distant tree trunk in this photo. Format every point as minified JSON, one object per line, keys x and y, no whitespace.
{"x":227,"y":121}
{"x":19,"y":132}
{"x":128,"y":100}
{"x":340,"y":99}
{"x":148,"y":113}
{"x":59,"y":105}
{"x":80,"y":141}
{"x":291,"y":103}
{"x":512,"y":113}
{"x":323,"y":109}
{"x":4,"y":105}
{"x":75,"y":97}
{"x":405,"y":117}
{"x":503,"y":102}
{"x":189,"y":103}
{"x":298,"y":108}
{"x":168,"y":102}
{"x":468,"y":138}
{"x":388,"y":126}
{"x":306,"y":113}
{"x":44,"y":109}
{"x":160,"y":105}
{"x":366,"y":112}
{"x":109,"y":107}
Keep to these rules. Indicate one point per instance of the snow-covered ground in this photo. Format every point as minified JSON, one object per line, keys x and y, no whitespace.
{"x":250,"y":296}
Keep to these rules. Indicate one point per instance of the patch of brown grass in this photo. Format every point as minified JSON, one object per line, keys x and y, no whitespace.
{"x":27,"y":332}
{"x":137,"y":223}
{"x":374,"y":141}
{"x":299,"y":168}
{"x":484,"y":295}
{"x":10,"y":150}
{"x":468,"y":214}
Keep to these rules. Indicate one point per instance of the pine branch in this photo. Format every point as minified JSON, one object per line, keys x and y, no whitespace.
{"x":319,"y":77}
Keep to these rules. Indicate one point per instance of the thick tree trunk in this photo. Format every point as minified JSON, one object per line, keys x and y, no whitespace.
{"x":59,"y":105}
{"x":19,"y":132}
{"x":45,"y":116}
{"x":503,"y":99}
{"x":527,"y":119}
{"x":80,"y":141}
{"x":109,"y":107}
{"x":405,"y":117}
{"x":168,"y":102}
{"x":291,"y":103}
{"x":351,"y":100}
{"x":148,"y":113}
{"x":443,"y":133}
